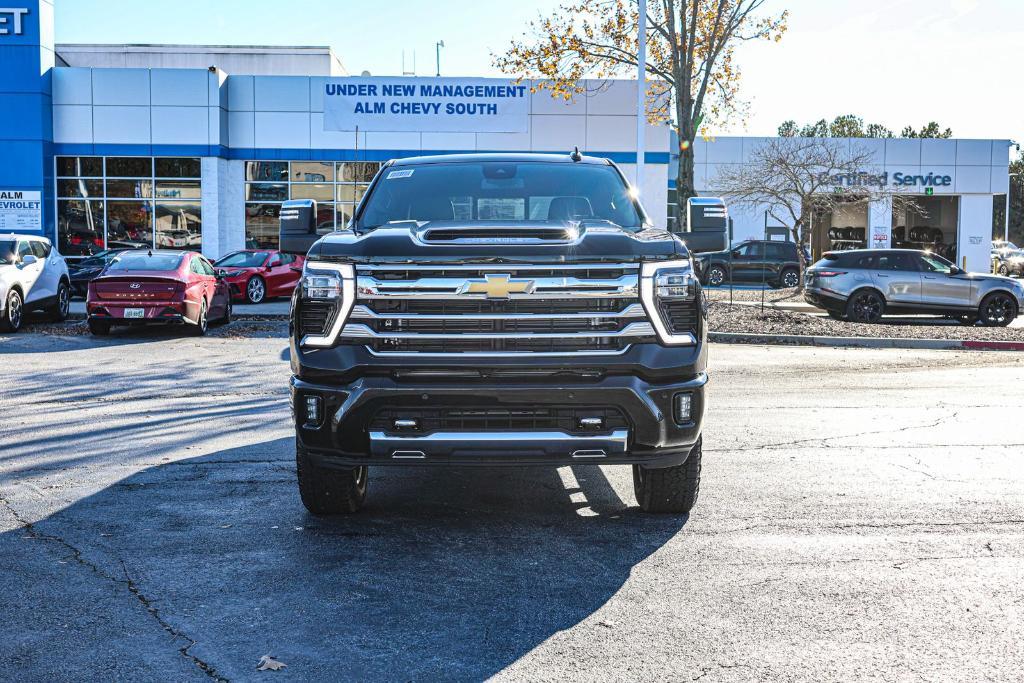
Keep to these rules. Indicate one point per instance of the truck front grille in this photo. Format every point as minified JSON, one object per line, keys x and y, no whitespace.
{"x":518,"y":418}
{"x":498,"y":309}
{"x":315,"y":317}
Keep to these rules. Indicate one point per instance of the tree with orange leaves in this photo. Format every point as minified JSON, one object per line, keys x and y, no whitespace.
{"x":691,"y":57}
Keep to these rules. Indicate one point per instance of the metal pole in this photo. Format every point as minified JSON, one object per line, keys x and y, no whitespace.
{"x":437,"y":46}
{"x":1009,"y":201}
{"x":641,"y":93}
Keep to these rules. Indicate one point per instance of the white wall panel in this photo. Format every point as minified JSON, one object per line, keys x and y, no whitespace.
{"x":611,"y":97}
{"x":875,"y":148}
{"x":558,"y":133}
{"x":181,"y":125}
{"x":121,"y":125}
{"x":1000,"y":152}
{"x":938,"y":152}
{"x":503,"y":142}
{"x":316,"y":92}
{"x":282,"y":93}
{"x":180,"y":87}
{"x":611,"y":134}
{"x":903,"y":152}
{"x":72,"y":123}
{"x":241,"y":129}
{"x":975,"y":241}
{"x":241,"y":93}
{"x":120,"y":86}
{"x":973,"y":152}
{"x":724,"y":150}
{"x":282,"y":129}
{"x":541,"y":102}
{"x":377,"y":140}
{"x":450,"y":142}
{"x":1000,"y":180}
{"x":72,"y":86}
{"x":332,"y":139}
{"x":973,"y":179}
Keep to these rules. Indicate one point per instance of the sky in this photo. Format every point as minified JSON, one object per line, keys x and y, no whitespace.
{"x":894,"y":62}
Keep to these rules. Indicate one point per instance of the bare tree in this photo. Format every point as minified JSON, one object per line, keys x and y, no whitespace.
{"x":794,"y":177}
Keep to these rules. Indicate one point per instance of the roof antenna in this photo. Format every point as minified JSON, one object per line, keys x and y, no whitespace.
{"x":575,"y":155}
{"x":150,"y":252}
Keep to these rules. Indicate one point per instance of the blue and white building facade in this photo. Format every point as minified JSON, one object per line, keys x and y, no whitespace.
{"x":197,"y":146}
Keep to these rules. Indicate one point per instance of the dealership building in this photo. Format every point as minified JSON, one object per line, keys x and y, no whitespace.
{"x":196,"y":147}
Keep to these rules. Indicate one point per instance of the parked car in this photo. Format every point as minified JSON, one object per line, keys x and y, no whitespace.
{"x":82,"y":272}
{"x":33,"y":276}
{"x":1004,"y":245}
{"x":157,"y":287}
{"x":255,"y":274}
{"x":865,"y":284}
{"x":773,"y":262}
{"x":1008,"y":262}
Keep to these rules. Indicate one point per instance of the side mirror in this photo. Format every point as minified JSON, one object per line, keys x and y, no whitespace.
{"x":28,"y":259}
{"x":736,"y":253}
{"x":953,"y":270}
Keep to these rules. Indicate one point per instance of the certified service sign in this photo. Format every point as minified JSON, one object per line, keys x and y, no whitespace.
{"x":21,"y":210}
{"x":467,"y":105}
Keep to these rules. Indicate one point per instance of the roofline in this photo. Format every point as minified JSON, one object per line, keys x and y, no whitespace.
{"x":551,"y":157}
{"x":193,"y":48}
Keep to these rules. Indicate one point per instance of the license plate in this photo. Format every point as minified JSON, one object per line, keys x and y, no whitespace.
{"x":135,"y":312}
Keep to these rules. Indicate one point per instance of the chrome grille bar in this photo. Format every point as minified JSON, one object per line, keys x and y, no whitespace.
{"x":630,"y":311}
{"x":368,"y":287}
{"x":362,"y":331}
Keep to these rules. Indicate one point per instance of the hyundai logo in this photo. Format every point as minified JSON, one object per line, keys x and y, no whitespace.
{"x":134,"y":285}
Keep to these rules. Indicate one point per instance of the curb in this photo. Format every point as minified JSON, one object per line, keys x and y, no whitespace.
{"x":863,"y":342}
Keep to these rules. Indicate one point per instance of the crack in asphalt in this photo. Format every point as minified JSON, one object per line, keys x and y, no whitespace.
{"x":861,"y":525}
{"x":128,"y":582}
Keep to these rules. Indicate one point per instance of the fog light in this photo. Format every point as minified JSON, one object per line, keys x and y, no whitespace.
{"x":312,"y":409}
{"x":683,"y":405}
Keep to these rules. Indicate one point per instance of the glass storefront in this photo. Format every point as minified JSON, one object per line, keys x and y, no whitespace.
{"x":128,"y":203}
{"x":336,"y":186}
{"x":928,"y":223}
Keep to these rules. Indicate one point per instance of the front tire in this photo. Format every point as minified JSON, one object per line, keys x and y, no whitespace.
{"x":669,"y":489}
{"x":329,"y":491}
{"x":790,"y":278}
{"x":716,"y":275}
{"x":255,"y":290}
{"x":865,"y":306}
{"x":997,"y":310}
{"x":1003,"y":270}
{"x":59,"y":311}
{"x":14,"y":312}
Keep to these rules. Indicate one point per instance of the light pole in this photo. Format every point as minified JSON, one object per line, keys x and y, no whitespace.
{"x":437,"y":46}
{"x":641,"y":92}
{"x":1009,"y":203}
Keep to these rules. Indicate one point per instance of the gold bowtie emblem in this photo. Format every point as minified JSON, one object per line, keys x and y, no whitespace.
{"x":497,"y":286}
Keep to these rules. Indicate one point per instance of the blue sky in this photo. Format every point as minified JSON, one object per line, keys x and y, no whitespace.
{"x":891,"y":61}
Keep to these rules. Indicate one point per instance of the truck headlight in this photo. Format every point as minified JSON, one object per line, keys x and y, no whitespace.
{"x":328,"y":282}
{"x":664,"y":288}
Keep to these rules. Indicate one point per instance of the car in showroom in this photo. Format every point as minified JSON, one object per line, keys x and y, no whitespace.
{"x":33,"y":276}
{"x":862,"y":285}
{"x":497,"y":310}
{"x":254,"y":275}
{"x":772,"y":262}
{"x":157,"y":287}
{"x":1008,"y":262}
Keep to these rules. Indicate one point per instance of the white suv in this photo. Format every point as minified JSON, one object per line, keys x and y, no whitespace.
{"x":32,"y":276}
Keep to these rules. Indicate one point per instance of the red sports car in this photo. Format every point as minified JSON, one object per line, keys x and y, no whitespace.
{"x":256,"y":274}
{"x":146,"y":287}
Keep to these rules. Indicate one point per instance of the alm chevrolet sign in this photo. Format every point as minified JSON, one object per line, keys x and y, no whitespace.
{"x":11,"y":20}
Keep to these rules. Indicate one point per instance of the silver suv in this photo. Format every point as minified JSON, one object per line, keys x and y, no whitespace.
{"x":862,"y":285}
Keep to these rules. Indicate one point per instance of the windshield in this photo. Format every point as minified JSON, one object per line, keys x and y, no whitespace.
{"x":936,"y":263}
{"x":99,"y":259}
{"x":128,"y":261}
{"x":7,"y":249}
{"x":243,"y":259}
{"x":500,"y":191}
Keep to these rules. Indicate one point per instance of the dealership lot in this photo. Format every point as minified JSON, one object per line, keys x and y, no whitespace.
{"x":860,"y":517}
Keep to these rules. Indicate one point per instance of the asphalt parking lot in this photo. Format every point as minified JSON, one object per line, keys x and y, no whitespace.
{"x":861,"y":517}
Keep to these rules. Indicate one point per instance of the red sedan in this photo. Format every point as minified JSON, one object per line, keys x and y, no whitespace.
{"x":139,"y":287}
{"x":256,"y":274}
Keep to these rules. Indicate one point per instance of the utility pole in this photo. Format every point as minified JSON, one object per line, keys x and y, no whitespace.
{"x":437,"y":46}
{"x":641,"y":94}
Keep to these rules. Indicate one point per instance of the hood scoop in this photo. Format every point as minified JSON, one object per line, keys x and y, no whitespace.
{"x":501,"y":235}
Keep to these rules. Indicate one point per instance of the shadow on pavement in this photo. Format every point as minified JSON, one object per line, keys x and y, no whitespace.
{"x":446,"y":574}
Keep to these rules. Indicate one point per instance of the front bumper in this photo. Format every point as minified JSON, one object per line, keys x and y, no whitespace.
{"x":341,"y":437}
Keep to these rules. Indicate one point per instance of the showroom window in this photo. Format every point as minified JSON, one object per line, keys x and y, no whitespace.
{"x":337,"y":188}
{"x":128,"y":203}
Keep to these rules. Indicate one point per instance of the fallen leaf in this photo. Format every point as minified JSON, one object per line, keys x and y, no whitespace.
{"x":606,"y":624}
{"x":268,"y":663}
{"x":225,"y":526}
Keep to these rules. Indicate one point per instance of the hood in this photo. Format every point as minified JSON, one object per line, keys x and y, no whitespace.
{"x":493,"y":242}
{"x":1002,"y":279}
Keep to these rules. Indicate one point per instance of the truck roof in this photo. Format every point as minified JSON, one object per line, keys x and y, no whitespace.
{"x":496,"y":156}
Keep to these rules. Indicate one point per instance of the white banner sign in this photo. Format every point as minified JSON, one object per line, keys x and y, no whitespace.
{"x":463,"y":105}
{"x":21,"y":210}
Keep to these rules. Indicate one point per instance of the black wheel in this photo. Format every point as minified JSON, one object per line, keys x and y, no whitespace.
{"x":865,"y":306}
{"x":226,"y":318}
{"x":1003,"y":270}
{"x":790,"y":278}
{"x":329,"y":491}
{"x":99,"y":328}
{"x":836,"y":315}
{"x":255,"y":290}
{"x":202,"y":323}
{"x":716,"y":275}
{"x":58,"y":312}
{"x":669,"y":489}
{"x":14,"y":311}
{"x":997,"y":310}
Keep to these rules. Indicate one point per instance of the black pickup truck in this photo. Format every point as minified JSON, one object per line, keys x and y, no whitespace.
{"x":495,"y":309}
